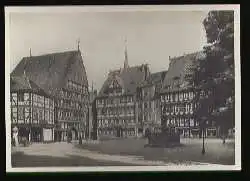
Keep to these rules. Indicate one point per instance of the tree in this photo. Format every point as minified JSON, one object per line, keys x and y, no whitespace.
{"x":214,"y":74}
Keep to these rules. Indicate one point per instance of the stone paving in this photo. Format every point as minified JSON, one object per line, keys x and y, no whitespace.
{"x":66,"y":150}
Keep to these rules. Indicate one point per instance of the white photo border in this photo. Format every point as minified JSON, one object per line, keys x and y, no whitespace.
{"x":70,"y":9}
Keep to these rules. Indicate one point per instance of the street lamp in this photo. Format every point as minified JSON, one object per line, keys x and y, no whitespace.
{"x":222,"y":111}
{"x":203,"y":135}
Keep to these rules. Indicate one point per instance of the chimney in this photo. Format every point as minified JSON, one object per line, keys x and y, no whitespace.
{"x":30,"y":53}
{"x":78,"y":45}
{"x":146,"y":72}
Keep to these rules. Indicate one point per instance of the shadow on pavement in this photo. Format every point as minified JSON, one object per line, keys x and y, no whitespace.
{"x":21,"y":160}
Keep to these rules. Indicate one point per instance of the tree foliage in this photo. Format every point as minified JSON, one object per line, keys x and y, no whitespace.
{"x":214,"y":75}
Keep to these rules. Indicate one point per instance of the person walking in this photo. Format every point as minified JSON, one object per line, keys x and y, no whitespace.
{"x":15,"y":136}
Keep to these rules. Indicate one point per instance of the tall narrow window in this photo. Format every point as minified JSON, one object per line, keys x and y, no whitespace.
{"x":176,"y":97}
{"x":47,"y":116}
{"x":14,"y":98}
{"x":20,"y":114}
{"x":40,"y":116}
{"x":14,"y":115}
{"x":26,"y":96}
{"x":20,"y":97}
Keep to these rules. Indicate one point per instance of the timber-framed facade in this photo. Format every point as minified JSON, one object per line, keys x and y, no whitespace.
{"x":62,"y":77}
{"x":179,"y":98}
{"x":116,"y":111}
{"x":116,"y":103}
{"x":149,"y":102}
{"x":32,"y":111}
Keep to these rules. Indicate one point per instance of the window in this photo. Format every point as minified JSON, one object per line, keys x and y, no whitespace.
{"x":167,"y":122}
{"x":181,"y":96}
{"x":47,"y":115}
{"x":157,"y":104}
{"x":191,"y":122}
{"x":171,"y":97}
{"x":26,"y":96}
{"x":20,"y":113}
{"x":162,"y":99}
{"x":181,"y":122}
{"x":176,"y":97}
{"x":191,"y":108}
{"x":14,"y":114}
{"x":51,"y":103}
{"x":177,"y":122}
{"x":51,"y":120}
{"x":186,"y":108}
{"x":167,"y":98}
{"x":35,"y":115}
{"x":14,"y":96}
{"x":46,"y":102}
{"x":191,"y":95}
{"x":40,"y":116}
{"x":176,"y":109}
{"x":20,"y":97}
{"x":172,"y":109}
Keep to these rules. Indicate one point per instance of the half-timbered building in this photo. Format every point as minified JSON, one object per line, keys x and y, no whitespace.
{"x":149,"y":102}
{"x":178,"y":95}
{"x":32,"y":110}
{"x":63,"y":77}
{"x":92,"y":114}
{"x":117,"y":105}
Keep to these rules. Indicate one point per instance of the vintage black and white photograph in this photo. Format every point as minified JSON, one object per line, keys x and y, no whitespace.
{"x":123,"y":88}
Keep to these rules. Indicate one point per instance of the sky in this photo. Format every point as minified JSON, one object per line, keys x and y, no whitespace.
{"x":151,"y":37}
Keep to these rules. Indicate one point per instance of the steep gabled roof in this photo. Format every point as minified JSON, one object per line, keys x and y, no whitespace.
{"x":178,"y":69}
{"x":51,"y":71}
{"x":157,"y":77}
{"x":129,"y":79}
{"x":18,"y":83}
{"x":157,"y":80}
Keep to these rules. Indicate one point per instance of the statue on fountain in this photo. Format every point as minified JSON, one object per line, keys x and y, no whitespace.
{"x":168,"y":137}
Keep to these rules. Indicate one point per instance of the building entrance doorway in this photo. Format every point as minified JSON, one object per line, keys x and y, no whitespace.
{"x":119,"y":132}
{"x":72,"y":134}
{"x":36,"y":134}
{"x":58,"y":136}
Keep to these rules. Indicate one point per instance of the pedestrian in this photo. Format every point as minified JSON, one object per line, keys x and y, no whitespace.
{"x":15,"y":136}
